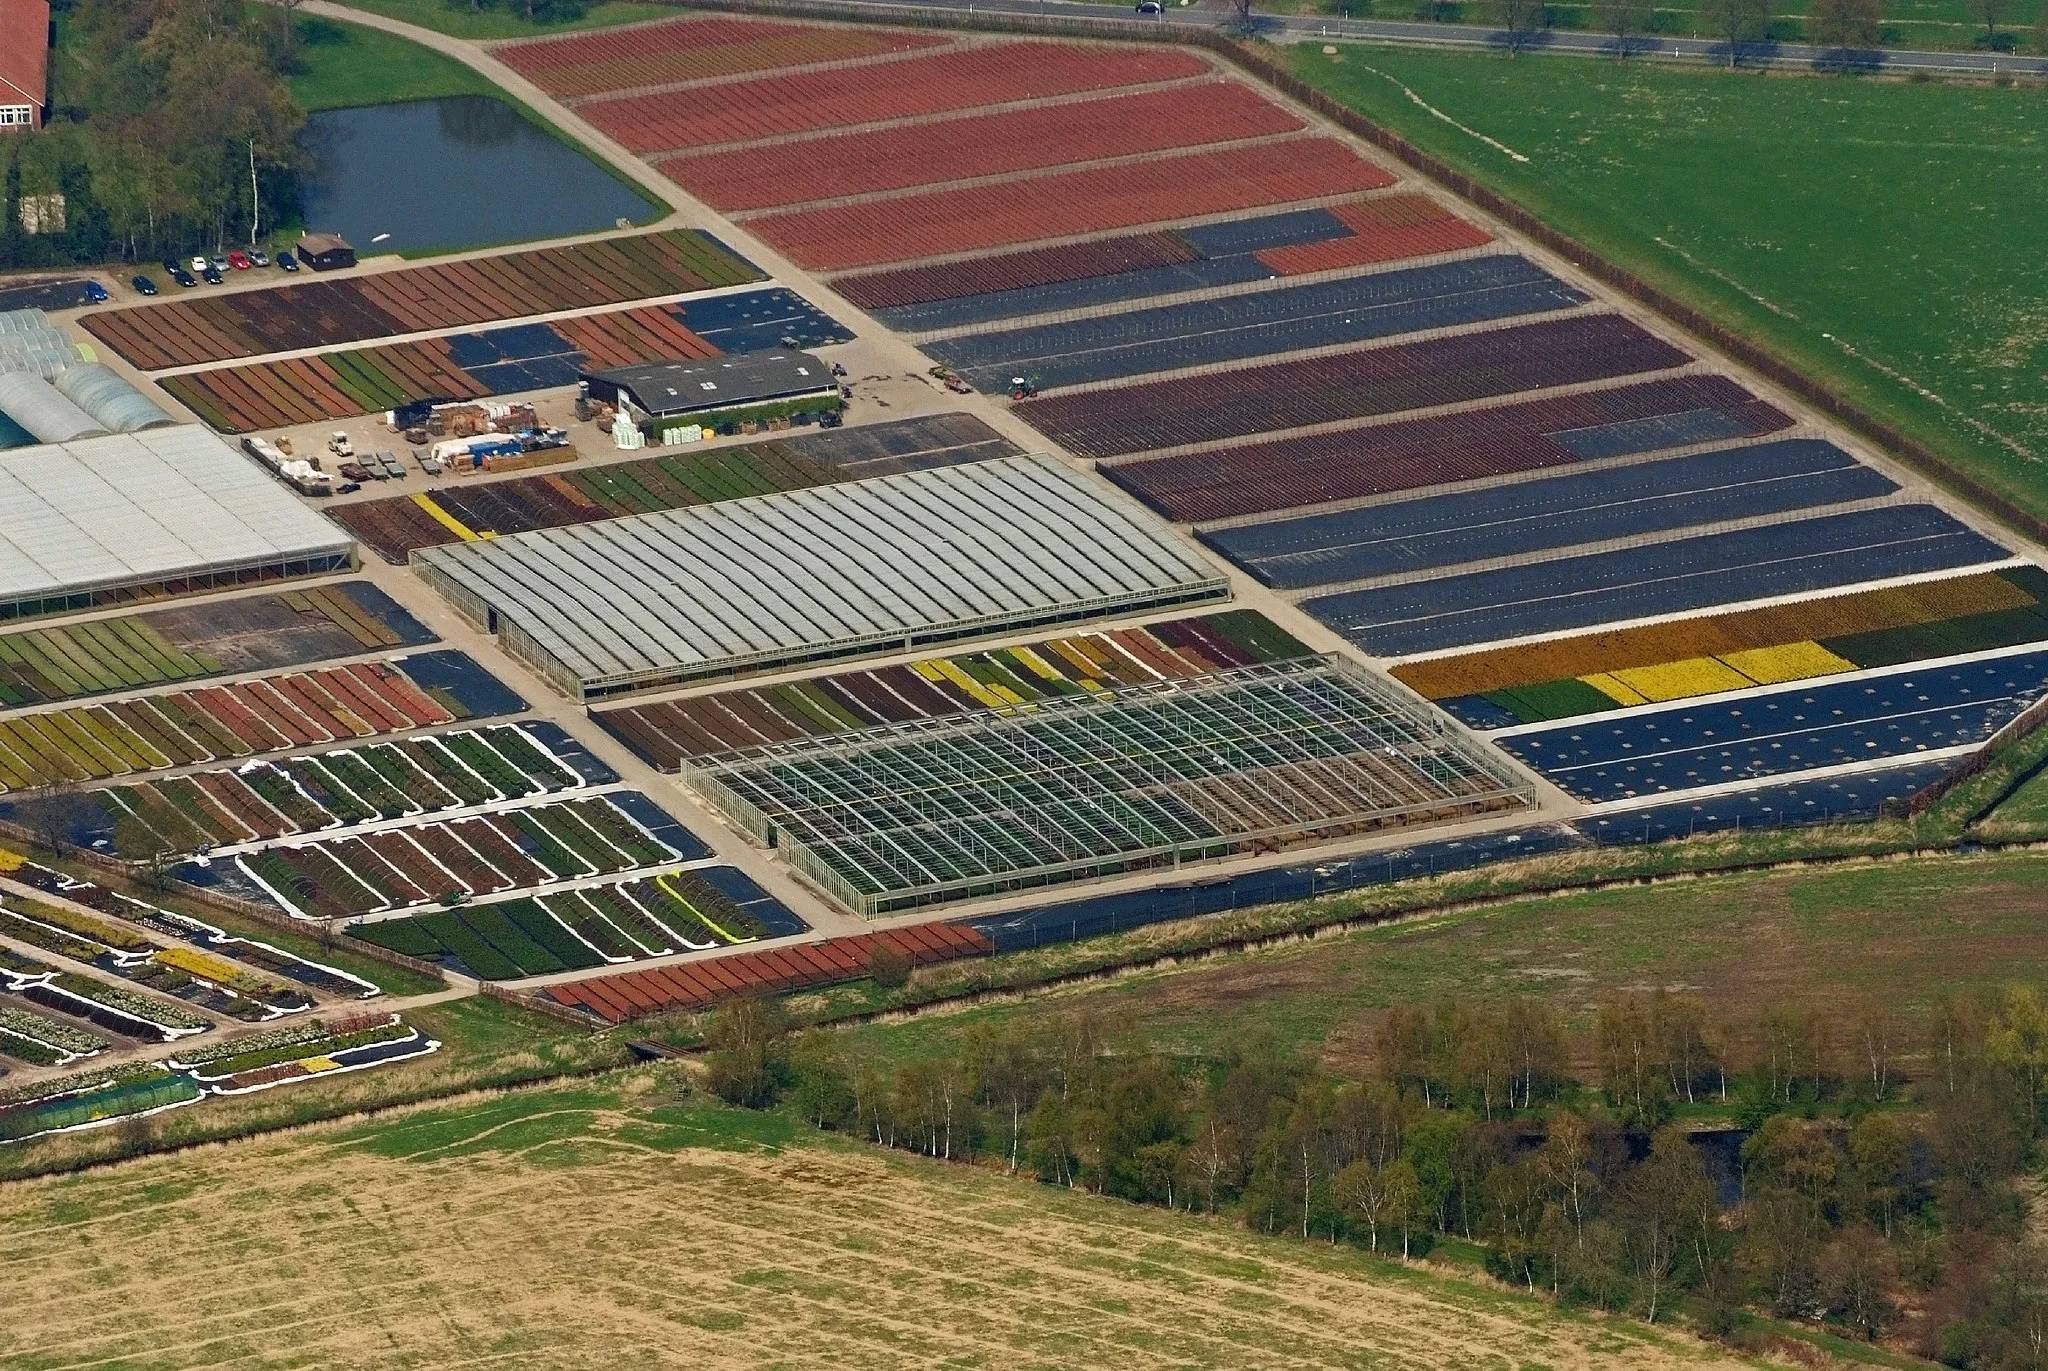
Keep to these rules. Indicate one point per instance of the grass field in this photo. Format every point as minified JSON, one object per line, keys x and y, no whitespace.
{"x":612,"y":1224}
{"x":1743,"y":942}
{"x":346,"y":65}
{"x":463,"y":20}
{"x":1878,"y":234}
{"x":2022,"y":813}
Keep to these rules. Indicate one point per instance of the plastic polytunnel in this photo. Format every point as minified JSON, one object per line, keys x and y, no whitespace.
{"x":101,"y":393}
{"x":43,"y":410}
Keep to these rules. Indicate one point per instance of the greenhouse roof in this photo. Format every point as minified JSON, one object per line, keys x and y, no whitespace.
{"x":136,"y":509}
{"x":829,"y":570}
{"x":1250,"y":758}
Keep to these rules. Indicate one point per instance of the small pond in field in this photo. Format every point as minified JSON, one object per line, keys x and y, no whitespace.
{"x":462,"y":171}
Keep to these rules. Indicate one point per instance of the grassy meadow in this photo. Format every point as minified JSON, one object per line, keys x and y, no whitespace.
{"x":1883,"y":235}
{"x":1831,"y":937}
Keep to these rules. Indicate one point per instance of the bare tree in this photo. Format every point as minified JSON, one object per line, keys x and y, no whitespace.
{"x":1877,"y":1031}
{"x":888,"y":967}
{"x":54,"y":813}
{"x":1859,"y":1279}
{"x":1843,"y":24}
{"x":1991,"y":12}
{"x":1736,"y":22}
{"x":1624,"y":19}
{"x":1521,"y":19}
{"x":136,"y":842}
{"x":288,"y":8}
{"x":1658,"y":1200}
{"x":1241,"y":18}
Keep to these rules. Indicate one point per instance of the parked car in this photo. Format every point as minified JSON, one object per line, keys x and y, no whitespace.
{"x":258,"y":259}
{"x":287,"y":262}
{"x":172,"y":264}
{"x":240,"y":261}
{"x":219,"y":262}
{"x":182,"y":276}
{"x":1148,"y":7}
{"x":96,"y":293}
{"x":143,"y":285}
{"x":199,"y":263}
{"x":212,"y":274}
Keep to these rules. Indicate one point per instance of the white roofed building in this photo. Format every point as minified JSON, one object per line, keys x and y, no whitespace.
{"x":865,"y":566}
{"x":140,"y":515}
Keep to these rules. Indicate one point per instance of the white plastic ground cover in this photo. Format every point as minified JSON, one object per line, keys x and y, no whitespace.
{"x":223,"y":939}
{"x":425,"y":1045}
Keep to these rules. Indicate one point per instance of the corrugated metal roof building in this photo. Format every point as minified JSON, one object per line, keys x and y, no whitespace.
{"x":171,"y":510}
{"x":868,"y":566}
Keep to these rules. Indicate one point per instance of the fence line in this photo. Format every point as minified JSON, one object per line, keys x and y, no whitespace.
{"x":2028,"y":720}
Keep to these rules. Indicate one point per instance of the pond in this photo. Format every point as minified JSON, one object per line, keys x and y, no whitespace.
{"x":459,"y":172}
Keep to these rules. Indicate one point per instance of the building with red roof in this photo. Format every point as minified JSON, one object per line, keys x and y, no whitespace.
{"x":24,"y":64}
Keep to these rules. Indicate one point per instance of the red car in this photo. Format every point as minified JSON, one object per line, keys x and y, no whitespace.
{"x":240,"y":261}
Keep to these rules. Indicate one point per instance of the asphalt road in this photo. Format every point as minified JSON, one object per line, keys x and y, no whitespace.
{"x":1283,"y":28}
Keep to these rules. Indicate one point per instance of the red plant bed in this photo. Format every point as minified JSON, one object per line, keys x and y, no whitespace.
{"x":696,"y":984}
{"x":1388,"y":245}
{"x":311,"y":705}
{"x":244,"y":804}
{"x":1349,"y":385}
{"x":409,"y":862}
{"x":366,"y":703}
{"x":494,"y":847}
{"x":227,"y":706}
{"x":401,"y":694}
{"x":275,"y":711}
{"x":1014,"y":270}
{"x":1075,"y":202}
{"x":450,"y":851}
{"x":1291,"y":472}
{"x":739,"y":111}
{"x":689,"y":49}
{"x":364,"y":862}
{"x":979,"y":145}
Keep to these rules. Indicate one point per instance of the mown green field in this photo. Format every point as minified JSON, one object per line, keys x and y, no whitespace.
{"x":346,"y":65}
{"x":1884,"y":235}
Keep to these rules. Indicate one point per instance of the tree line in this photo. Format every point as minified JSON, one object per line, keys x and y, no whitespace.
{"x":1847,"y":27}
{"x":170,"y":128}
{"x":1883,"y":1204}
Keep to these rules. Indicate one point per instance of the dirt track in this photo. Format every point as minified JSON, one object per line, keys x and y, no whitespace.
{"x":570,"y":1229}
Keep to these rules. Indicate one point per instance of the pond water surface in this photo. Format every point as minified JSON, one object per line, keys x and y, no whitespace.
{"x":462,"y":171}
